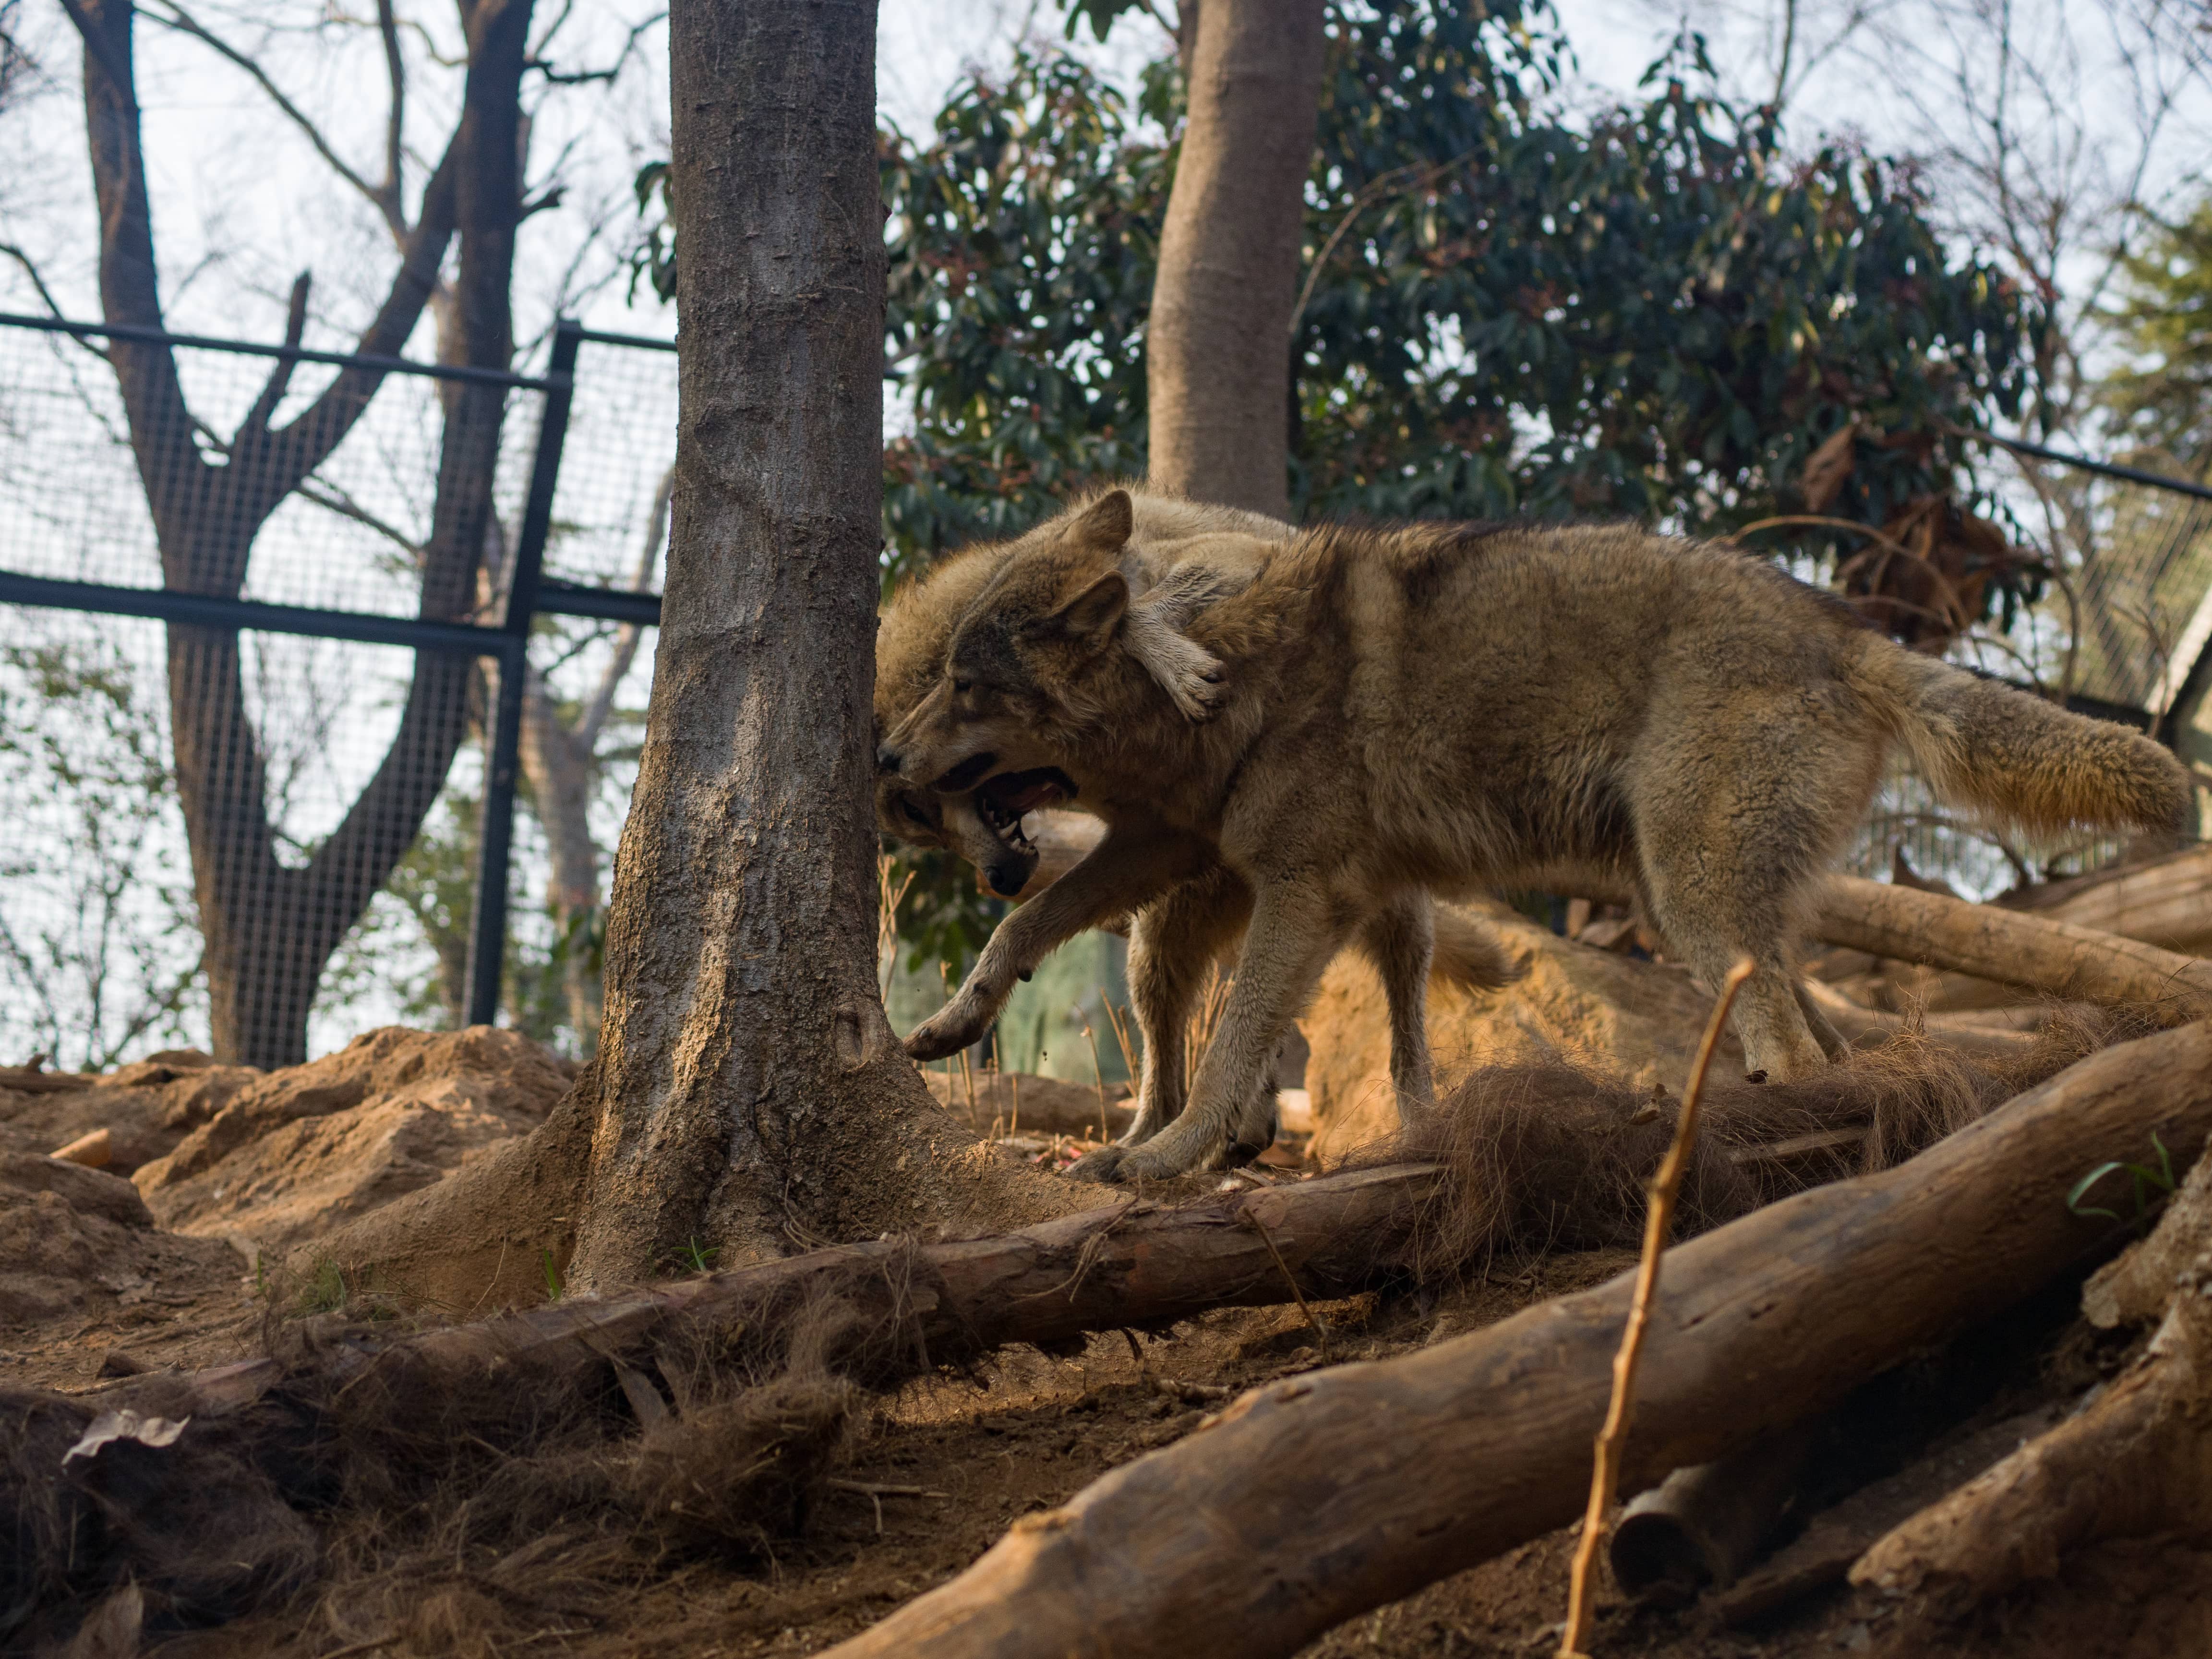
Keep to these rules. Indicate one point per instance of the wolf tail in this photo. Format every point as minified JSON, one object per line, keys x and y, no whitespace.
{"x":2016,"y":757}
{"x":1468,"y":954}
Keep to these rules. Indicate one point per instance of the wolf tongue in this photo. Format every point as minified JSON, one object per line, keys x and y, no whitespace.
{"x":1043,"y":792}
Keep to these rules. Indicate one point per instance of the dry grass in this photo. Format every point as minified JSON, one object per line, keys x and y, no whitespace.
{"x":1548,"y":1157}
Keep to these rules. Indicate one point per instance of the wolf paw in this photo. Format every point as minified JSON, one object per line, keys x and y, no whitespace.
{"x":1102,"y":1165}
{"x":959,"y":1024}
{"x":1201,"y":694}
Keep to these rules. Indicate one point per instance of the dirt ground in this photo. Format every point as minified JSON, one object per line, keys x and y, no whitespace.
{"x":933,"y":1475}
{"x":94,"y":1287}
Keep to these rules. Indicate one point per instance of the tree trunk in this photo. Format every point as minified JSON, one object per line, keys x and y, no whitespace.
{"x":749,"y":1090}
{"x":269,"y":928}
{"x":1217,"y":352}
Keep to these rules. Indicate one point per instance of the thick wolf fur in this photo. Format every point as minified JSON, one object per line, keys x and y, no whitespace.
{"x":1442,"y":706}
{"x":1185,"y":910}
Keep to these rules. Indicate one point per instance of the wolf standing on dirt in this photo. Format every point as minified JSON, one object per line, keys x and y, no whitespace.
{"x":1445,"y":707}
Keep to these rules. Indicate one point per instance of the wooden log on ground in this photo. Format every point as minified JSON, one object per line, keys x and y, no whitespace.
{"x":1134,"y":1263}
{"x":2014,"y":947}
{"x":1863,"y":1027}
{"x":1314,"y":1499}
{"x":2165,"y":902}
{"x":2135,"y":1461}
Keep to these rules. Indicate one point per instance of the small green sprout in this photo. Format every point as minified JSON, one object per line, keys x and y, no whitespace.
{"x":2145,"y":1179}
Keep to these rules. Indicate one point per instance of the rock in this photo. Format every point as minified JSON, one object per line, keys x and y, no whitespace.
{"x":296,"y":1151}
{"x":1637,"y":1019}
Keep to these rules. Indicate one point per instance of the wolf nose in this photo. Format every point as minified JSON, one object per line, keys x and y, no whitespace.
{"x":887,"y":758}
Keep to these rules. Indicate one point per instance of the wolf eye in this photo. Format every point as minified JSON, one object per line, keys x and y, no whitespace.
{"x":964,"y":686}
{"x":914,"y":813}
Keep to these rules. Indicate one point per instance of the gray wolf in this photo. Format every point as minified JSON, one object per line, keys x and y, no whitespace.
{"x":1184,"y":910}
{"x":1440,"y":707}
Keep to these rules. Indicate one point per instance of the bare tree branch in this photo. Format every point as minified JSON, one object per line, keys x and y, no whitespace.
{"x":280,"y":373}
{"x":395,"y":69}
{"x":184,"y":22}
{"x":579,"y":77}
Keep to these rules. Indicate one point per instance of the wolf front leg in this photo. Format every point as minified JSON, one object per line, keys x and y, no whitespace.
{"x":1173,"y":946}
{"x":1125,"y":870}
{"x":1294,"y":932}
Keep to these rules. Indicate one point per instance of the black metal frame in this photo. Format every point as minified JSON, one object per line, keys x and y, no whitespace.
{"x":530,"y":595}
{"x":488,"y":932}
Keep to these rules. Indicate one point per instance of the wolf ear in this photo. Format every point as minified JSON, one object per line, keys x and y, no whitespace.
{"x":1106,"y":524}
{"x":1093,"y":614}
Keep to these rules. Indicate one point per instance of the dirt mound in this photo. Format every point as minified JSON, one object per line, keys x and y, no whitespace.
{"x":77,"y":1242}
{"x":1613,"y":1014}
{"x":298,"y":1151}
{"x":147,"y":1108}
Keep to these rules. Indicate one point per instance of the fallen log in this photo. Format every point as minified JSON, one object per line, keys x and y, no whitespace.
{"x":1129,"y":1264}
{"x":2162,"y":902}
{"x":2135,"y":1461}
{"x":1863,"y":1027}
{"x":2010,"y":947}
{"x":1317,"y":1498}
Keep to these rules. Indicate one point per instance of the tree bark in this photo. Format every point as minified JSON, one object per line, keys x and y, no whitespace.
{"x":1218,"y":349}
{"x":269,"y":928}
{"x":749,"y":1090}
{"x":1312,"y":1500}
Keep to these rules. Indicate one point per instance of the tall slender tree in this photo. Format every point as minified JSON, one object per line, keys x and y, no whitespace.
{"x":1220,"y":342}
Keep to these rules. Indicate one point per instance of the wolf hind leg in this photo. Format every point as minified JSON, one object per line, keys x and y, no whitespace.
{"x":1832,"y":1043}
{"x":1733,"y":819}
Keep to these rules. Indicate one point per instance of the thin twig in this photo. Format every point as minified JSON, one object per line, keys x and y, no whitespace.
{"x":1605,"y":1474}
{"x":1320,"y":1330}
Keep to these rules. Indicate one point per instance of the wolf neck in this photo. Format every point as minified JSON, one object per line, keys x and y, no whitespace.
{"x":1140,"y":754}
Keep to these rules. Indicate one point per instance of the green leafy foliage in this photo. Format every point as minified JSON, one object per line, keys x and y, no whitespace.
{"x":2163,"y":400}
{"x":1652,"y":314}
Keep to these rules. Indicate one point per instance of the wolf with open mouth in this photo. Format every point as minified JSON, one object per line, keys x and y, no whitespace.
{"x":1440,"y":705}
{"x":1184,"y":909}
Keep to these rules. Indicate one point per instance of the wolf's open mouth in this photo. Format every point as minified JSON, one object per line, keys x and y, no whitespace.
{"x":967,"y":775}
{"x":1001,"y":802}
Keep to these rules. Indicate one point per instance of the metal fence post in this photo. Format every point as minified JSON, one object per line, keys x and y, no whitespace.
{"x":487,"y":933}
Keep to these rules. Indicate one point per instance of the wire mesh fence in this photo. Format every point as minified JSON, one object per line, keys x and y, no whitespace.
{"x":2122,"y":634}
{"x":256,"y":699}
{"x":287,"y":631}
